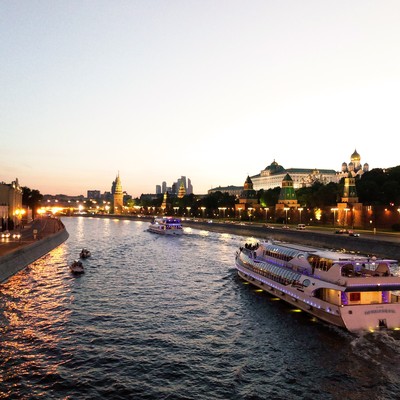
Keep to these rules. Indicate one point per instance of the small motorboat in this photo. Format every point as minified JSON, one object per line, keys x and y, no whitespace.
{"x":77,"y":267}
{"x":85,"y":253}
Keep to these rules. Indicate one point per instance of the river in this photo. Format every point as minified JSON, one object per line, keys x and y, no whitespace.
{"x":157,"y":317}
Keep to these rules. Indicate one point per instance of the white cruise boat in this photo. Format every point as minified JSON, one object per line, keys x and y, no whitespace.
{"x":166,"y":226}
{"x":352,"y":292}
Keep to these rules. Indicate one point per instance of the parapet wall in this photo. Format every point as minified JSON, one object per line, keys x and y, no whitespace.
{"x":17,"y":260}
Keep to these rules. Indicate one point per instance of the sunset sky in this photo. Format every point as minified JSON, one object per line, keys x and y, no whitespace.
{"x":212,"y":90}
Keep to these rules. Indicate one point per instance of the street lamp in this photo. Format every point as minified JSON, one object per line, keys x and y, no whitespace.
{"x":223,"y":211}
{"x":266,"y":214}
{"x":286,"y":209}
{"x":250,"y":209}
{"x":334,"y":215}
{"x":19,"y":213}
{"x":203,"y":209}
{"x":300,"y":210}
{"x":345,"y":217}
{"x":188,"y":210}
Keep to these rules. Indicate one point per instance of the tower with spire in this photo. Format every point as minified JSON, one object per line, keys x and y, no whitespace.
{"x":287,"y":198}
{"x":182,"y":190}
{"x":247,"y":200}
{"x":118,"y":196}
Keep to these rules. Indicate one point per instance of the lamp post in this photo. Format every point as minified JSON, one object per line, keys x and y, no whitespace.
{"x":19,"y":212}
{"x":300,"y":210}
{"x":266,"y":214}
{"x":286,"y":209}
{"x":250,"y":209}
{"x":223,"y":211}
{"x":345,"y":216}
{"x":188,"y":211}
{"x":334,"y":215}
{"x":203,"y":209}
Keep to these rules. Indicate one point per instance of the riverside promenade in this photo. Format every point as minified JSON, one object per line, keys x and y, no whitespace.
{"x":37,"y":239}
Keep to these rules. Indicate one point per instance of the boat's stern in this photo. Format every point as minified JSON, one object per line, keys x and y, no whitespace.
{"x":371,"y":317}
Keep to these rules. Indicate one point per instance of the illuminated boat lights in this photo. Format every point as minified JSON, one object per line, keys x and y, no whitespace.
{"x":279,"y":287}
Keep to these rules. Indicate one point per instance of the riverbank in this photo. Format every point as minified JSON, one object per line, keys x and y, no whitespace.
{"x":37,"y":239}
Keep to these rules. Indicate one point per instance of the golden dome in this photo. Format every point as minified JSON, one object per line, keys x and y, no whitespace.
{"x":355,"y":156}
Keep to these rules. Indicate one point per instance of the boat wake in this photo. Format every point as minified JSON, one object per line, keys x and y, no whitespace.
{"x":381,"y":350}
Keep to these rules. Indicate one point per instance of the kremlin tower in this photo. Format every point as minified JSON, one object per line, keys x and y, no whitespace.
{"x":118,"y":196}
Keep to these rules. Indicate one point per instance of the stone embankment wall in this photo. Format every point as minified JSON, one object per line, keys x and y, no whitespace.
{"x":15,"y":261}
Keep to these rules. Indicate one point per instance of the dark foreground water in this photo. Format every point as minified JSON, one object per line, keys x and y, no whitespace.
{"x":167,"y":318}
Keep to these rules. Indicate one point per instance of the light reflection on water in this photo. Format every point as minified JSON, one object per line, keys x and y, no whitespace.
{"x":157,"y":317}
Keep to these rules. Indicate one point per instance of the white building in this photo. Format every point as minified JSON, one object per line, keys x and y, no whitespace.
{"x":273,"y":175}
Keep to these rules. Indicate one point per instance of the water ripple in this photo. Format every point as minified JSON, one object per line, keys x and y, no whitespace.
{"x":168,"y":318}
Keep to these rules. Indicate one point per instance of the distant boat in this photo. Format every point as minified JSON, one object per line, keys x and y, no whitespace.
{"x":77,"y":267}
{"x":166,"y":226}
{"x":85,"y":253}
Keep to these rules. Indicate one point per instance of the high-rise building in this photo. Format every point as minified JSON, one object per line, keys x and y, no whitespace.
{"x":189,"y":189}
{"x":93,"y":194}
{"x":158,"y":189}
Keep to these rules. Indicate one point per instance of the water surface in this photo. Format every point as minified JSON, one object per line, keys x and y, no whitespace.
{"x":160,"y":317}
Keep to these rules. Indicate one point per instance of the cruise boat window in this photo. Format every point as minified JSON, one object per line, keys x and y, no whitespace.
{"x":355,"y":296}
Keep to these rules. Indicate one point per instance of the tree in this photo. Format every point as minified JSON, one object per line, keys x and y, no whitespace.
{"x":31,"y":199}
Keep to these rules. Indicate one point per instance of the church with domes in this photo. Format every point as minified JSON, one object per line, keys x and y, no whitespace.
{"x":354,"y":168}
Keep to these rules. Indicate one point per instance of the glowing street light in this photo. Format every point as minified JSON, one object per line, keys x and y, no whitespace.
{"x":203,"y":209}
{"x":345,"y":217}
{"x":286,"y":209}
{"x":300,"y":210}
{"x":334,"y":210}
{"x":266,"y":214}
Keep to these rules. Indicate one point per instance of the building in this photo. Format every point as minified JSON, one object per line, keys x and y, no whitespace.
{"x":11,"y":211}
{"x":273,"y":175}
{"x":189,"y":189}
{"x":248,"y":201}
{"x":94,"y":194}
{"x":182,"y":190}
{"x":118,"y":196}
{"x":176,"y":186}
{"x":231,"y":190}
{"x":354,"y":168}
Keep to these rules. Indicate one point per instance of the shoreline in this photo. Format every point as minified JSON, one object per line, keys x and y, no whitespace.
{"x":38,"y":239}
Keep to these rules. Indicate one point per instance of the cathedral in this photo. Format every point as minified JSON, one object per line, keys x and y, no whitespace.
{"x":354,"y":168}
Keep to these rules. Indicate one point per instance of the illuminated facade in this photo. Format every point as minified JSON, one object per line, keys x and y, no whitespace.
{"x":118,"y":196}
{"x":11,"y":202}
{"x":354,"y":168}
{"x":273,"y":176}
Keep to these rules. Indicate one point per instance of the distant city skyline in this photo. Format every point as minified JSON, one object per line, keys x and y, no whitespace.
{"x":216,"y":90}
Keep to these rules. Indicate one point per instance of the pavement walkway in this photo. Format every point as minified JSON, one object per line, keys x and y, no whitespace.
{"x":35,"y":230}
